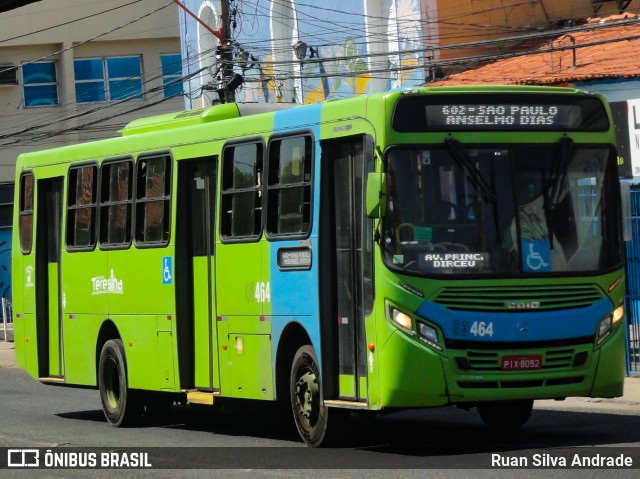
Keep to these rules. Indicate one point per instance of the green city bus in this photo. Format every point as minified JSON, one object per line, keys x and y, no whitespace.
{"x":408,"y":249}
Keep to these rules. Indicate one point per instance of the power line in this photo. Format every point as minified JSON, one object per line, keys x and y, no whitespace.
{"x":382,"y":55}
{"x":75,"y":45}
{"x":69,"y":22}
{"x":40,"y":123}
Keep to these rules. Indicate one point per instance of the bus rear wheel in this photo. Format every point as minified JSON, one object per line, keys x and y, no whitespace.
{"x":121,"y":405}
{"x":506,"y":415}
{"x":309,"y":411}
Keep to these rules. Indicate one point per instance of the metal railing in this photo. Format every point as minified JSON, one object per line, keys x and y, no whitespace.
{"x":7,"y":320}
{"x":633,"y":285}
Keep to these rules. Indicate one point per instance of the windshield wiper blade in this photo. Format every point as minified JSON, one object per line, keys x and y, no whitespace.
{"x":474,"y":175}
{"x":560,"y":170}
{"x":552,"y":188}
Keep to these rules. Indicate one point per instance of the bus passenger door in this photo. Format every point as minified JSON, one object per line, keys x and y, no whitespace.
{"x":346,"y":269}
{"x":48,"y":301}
{"x":195,"y":275}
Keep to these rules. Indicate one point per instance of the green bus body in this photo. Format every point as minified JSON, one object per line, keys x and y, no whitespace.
{"x":224,"y":314}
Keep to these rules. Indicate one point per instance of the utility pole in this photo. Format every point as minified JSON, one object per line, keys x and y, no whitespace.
{"x":226,"y":49}
{"x":229,"y":80}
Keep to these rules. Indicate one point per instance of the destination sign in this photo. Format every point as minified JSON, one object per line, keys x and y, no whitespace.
{"x":496,"y":115}
{"x":294,"y":258}
{"x":500,"y":113}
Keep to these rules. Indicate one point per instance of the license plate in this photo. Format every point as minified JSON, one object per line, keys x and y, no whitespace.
{"x":518,"y":363}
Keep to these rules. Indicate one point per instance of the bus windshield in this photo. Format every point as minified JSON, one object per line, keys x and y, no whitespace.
{"x":464,"y":210}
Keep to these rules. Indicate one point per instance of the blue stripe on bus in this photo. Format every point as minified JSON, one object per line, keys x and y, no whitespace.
{"x":517,"y":326}
{"x":294,"y":294}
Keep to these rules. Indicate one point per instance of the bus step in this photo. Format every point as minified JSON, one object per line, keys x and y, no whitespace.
{"x":199,"y":397}
{"x":346,"y":404}
{"x":52,"y":379}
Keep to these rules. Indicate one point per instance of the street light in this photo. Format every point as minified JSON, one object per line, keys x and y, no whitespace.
{"x":300,"y":50}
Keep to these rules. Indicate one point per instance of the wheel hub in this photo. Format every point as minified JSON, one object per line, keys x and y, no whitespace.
{"x":307,"y":392}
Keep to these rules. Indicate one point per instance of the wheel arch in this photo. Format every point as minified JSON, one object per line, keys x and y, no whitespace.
{"x":292,"y":338}
{"x":108,"y":331}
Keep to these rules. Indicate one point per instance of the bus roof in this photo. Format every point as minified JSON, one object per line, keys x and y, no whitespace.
{"x":215,"y":113}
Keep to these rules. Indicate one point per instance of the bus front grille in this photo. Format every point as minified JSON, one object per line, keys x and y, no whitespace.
{"x":518,"y":298}
{"x":519,"y":384}
{"x":477,"y":360}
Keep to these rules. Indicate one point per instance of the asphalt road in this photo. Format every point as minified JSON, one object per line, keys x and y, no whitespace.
{"x":442,"y":442}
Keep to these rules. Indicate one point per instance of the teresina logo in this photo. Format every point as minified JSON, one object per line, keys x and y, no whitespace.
{"x":110,"y":285}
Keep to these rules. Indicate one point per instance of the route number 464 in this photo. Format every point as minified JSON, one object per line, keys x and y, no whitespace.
{"x":480,"y":328}
{"x":262,"y":293}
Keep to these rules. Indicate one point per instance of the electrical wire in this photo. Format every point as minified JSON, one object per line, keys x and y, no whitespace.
{"x":69,"y":22}
{"x":283,"y":70}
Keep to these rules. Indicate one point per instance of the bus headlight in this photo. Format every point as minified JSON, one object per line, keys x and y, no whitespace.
{"x":604,"y":328}
{"x":401,"y":319}
{"x":405,"y":322}
{"x":609,"y":324}
{"x":429,"y":335}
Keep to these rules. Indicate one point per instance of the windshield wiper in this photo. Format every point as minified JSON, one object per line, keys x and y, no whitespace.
{"x":474,"y":175}
{"x":552,"y":188}
{"x":560,"y":170}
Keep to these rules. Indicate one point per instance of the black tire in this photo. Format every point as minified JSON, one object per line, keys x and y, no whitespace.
{"x":506,"y":416}
{"x":309,"y":412}
{"x":121,"y":405}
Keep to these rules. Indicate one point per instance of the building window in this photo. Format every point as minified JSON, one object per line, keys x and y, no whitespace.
{"x":153,"y":203}
{"x":115,"y":204}
{"x":27,"y":185}
{"x":108,"y":79}
{"x":81,"y":207}
{"x":171,"y":74}
{"x":40,"y":83}
{"x":289,"y":186}
{"x":6,"y":205}
{"x":241,"y":197}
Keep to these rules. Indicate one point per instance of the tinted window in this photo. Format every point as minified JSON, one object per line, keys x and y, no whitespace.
{"x":153,"y":200}
{"x":115,"y":204}
{"x":27,"y":185}
{"x":289,"y":187}
{"x":242,"y":191}
{"x":81,"y":207}
{"x":40,"y":84}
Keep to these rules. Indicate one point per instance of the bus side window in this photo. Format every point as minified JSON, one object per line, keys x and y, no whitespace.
{"x":153,"y":202}
{"x":81,"y":207}
{"x":115,"y":204}
{"x":289,"y":186}
{"x":241,"y":195}
{"x":27,"y":184}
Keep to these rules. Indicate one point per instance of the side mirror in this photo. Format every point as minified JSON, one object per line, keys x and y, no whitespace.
{"x":376,"y":195}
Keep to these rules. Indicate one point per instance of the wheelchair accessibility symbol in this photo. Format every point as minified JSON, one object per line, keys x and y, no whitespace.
{"x":537,"y":256}
{"x":167,"y":271}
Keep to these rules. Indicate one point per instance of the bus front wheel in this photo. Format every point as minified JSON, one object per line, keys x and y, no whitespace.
{"x":309,"y":411}
{"x":506,"y":415}
{"x":121,"y":405}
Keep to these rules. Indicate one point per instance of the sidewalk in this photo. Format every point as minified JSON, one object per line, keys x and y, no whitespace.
{"x":7,"y":354}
